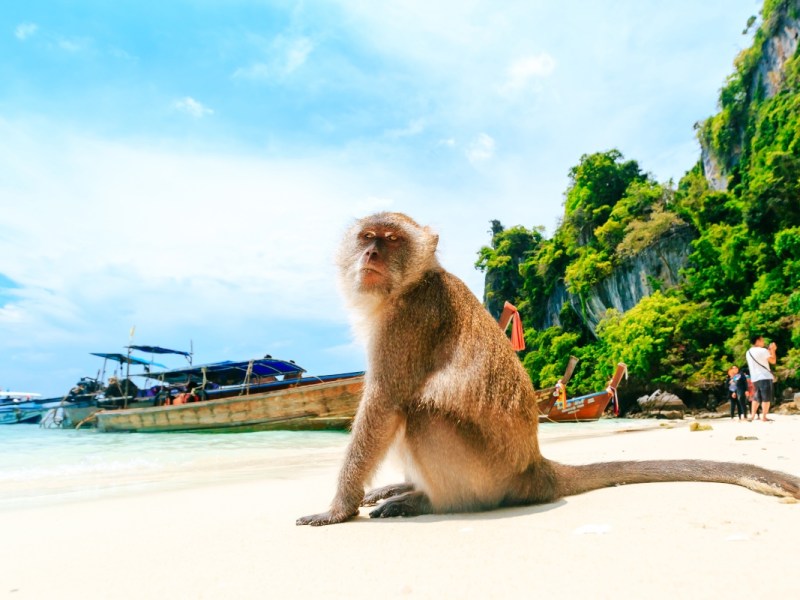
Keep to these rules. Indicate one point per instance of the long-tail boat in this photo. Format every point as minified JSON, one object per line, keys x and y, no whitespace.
{"x":254,"y":395}
{"x":589,"y":407}
{"x":91,"y":394}
{"x":547,"y":397}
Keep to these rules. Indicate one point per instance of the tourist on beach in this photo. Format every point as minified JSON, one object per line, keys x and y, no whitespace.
{"x":751,"y":389}
{"x":758,"y":360}
{"x":745,"y":389}
{"x":736,"y":391}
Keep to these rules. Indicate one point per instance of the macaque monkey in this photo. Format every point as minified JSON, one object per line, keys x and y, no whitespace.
{"x":444,"y":387}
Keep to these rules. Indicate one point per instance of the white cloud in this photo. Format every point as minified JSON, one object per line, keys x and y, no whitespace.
{"x":73,"y":45}
{"x":297,"y":53}
{"x":253,"y":72}
{"x":286,"y":56}
{"x":69,"y":45}
{"x":481,"y":149}
{"x":121,"y":54}
{"x":414,"y":127}
{"x":524,"y":71}
{"x":192,"y":107}
{"x":227,"y":250}
{"x":25,"y":30}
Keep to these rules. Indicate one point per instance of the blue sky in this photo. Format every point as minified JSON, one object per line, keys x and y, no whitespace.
{"x":187,"y":167}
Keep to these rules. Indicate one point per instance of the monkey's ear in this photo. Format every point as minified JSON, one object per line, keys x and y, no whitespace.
{"x":433,"y":238}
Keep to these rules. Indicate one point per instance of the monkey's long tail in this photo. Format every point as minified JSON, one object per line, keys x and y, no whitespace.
{"x":576,"y":479}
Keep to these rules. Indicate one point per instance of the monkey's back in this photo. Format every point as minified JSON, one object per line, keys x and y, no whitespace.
{"x":448,"y":357}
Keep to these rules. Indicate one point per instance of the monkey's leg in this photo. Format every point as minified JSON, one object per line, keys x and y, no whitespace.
{"x":372,"y":497}
{"x":410,"y":504}
{"x":374,"y":428}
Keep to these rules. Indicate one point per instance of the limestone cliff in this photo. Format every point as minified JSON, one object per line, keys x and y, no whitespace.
{"x":775,"y":43}
{"x":657,"y":267}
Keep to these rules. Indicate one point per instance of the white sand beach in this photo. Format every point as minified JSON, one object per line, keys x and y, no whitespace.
{"x":239,"y":540}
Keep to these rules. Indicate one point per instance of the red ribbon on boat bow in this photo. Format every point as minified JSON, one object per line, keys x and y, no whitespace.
{"x":510,"y":313}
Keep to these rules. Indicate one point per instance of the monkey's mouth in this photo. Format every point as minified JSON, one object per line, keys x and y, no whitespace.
{"x":371,"y":275}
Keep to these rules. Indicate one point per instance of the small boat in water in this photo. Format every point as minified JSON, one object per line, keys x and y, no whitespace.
{"x":21,"y":407}
{"x":255,"y":395}
{"x":589,"y":407}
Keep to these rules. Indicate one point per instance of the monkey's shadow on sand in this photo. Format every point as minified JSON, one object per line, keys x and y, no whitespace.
{"x":492,"y":515}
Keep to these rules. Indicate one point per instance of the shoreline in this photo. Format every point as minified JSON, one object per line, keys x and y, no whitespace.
{"x":238,"y":539}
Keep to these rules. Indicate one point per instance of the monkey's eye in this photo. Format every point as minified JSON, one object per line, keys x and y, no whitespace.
{"x":369,"y":235}
{"x":391,"y":237}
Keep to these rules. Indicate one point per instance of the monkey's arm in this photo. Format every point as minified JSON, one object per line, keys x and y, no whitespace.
{"x":374,"y":429}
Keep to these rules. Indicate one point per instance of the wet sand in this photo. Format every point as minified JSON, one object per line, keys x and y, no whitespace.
{"x":239,"y":540}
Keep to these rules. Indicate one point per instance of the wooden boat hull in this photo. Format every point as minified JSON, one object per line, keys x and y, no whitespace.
{"x":584,"y":408}
{"x":14,"y":415}
{"x":327,"y":405}
{"x":547,"y":397}
{"x":576,"y":410}
{"x":27,"y":412}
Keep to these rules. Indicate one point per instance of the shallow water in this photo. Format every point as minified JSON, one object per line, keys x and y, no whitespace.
{"x":50,"y":465}
{"x":42,"y":465}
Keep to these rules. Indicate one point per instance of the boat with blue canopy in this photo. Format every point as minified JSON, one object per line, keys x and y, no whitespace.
{"x":236,"y":396}
{"x":91,"y":394}
{"x":160,"y":350}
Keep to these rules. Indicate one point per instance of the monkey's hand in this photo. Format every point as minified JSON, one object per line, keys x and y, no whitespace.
{"x":326,"y":518}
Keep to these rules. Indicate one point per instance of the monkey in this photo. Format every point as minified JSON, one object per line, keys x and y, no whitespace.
{"x":445,"y":389}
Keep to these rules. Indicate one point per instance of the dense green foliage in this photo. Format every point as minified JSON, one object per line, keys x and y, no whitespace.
{"x":743,"y":273}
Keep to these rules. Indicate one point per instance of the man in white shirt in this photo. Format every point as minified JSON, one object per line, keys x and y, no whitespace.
{"x":759,"y":359}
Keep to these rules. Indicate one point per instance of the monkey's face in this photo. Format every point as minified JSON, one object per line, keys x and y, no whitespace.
{"x":382,"y":257}
{"x":383,"y":253}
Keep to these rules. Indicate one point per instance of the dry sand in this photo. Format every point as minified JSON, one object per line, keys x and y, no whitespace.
{"x":239,"y":540}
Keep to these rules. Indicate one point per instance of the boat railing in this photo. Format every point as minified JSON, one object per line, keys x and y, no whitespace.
{"x":586,"y":397}
{"x":257,"y":388}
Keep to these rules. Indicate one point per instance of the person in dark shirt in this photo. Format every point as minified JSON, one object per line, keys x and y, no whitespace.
{"x":734,"y":384}
{"x":742,"y":389}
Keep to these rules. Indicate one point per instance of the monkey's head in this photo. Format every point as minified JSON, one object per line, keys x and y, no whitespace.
{"x":383,"y":254}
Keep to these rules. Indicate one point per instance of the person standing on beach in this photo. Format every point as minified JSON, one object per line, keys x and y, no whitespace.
{"x":758,"y":360}
{"x":736,"y":391}
{"x":743,"y":389}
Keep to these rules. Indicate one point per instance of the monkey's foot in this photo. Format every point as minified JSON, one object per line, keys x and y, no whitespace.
{"x":410,"y":504}
{"x":326,"y":518}
{"x":371,"y":498}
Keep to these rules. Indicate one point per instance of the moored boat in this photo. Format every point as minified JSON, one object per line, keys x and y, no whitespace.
{"x":255,"y":395}
{"x":547,"y":397}
{"x":21,"y":407}
{"x":91,"y":394}
{"x":589,"y":407}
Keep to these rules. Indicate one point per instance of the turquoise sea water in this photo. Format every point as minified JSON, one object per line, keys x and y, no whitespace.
{"x":50,"y":465}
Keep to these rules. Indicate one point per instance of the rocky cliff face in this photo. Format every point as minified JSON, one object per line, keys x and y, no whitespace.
{"x":767,"y":80}
{"x":657,"y":267}
{"x":712,"y":169}
{"x":777,"y":49}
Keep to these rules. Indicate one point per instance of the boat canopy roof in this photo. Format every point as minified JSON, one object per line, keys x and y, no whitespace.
{"x":124,"y":359}
{"x":159,"y":350}
{"x":229,"y":372}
